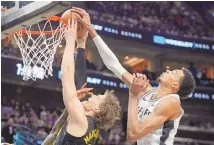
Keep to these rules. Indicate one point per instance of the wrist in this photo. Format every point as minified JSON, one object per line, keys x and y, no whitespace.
{"x":92,"y":32}
{"x":81,"y":45}
{"x":70,"y":41}
{"x":134,"y":95}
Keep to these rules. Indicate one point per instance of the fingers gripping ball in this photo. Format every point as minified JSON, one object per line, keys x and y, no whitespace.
{"x":69,"y":15}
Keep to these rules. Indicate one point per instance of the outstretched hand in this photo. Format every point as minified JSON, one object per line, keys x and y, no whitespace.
{"x":83,"y":17}
{"x":71,"y":30}
{"x":139,"y":84}
{"x":82,"y":92}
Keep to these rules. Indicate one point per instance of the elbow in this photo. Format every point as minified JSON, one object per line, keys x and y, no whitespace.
{"x":134,"y":135}
{"x":130,"y":137}
{"x":65,"y":73}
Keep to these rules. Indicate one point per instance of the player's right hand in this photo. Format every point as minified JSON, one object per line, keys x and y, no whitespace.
{"x":139,"y":85}
{"x":71,"y":30}
{"x":83,"y":17}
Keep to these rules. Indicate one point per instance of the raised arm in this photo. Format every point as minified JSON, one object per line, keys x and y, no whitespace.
{"x":108,"y":57}
{"x":72,"y":103}
{"x":80,"y":63}
{"x":80,"y":78}
{"x":162,"y":113}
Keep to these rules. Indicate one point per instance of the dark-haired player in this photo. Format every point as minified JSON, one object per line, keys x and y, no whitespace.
{"x":153,"y":114}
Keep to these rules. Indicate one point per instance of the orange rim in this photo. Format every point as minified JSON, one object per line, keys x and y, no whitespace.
{"x":38,"y":32}
{"x":52,"y":18}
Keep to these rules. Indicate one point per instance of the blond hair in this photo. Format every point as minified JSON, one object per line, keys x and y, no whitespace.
{"x":109,"y":111}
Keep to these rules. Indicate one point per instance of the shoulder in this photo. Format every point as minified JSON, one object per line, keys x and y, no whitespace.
{"x":169,"y":106}
{"x":169,"y":102}
{"x":77,"y":129}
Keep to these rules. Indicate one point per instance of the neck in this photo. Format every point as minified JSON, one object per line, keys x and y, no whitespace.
{"x":162,"y":91}
{"x":90,"y":113}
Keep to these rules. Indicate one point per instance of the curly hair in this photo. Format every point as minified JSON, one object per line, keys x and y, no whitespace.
{"x":187,"y":84}
{"x":109,"y":111}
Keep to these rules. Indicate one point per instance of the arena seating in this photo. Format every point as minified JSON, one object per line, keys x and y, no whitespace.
{"x":37,"y":122}
{"x":174,"y":18}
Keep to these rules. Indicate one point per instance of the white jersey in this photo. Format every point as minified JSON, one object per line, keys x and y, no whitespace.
{"x":166,"y":133}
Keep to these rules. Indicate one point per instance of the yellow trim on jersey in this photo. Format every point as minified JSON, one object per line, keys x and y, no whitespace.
{"x":58,"y":134}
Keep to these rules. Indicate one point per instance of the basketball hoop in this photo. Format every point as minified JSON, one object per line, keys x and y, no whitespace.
{"x":38,"y":47}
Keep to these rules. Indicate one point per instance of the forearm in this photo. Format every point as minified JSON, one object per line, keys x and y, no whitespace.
{"x":92,"y":32}
{"x":133,"y":122}
{"x":67,"y":65}
{"x":68,"y":70}
{"x":108,"y":57}
{"x":80,"y":68}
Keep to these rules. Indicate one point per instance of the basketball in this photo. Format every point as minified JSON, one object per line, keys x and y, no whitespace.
{"x":80,"y":29}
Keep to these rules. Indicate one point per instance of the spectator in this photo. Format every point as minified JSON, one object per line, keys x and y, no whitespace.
{"x":167,"y":68}
{"x":193,"y":69}
{"x":204,"y":75}
{"x":42,"y":132}
{"x":9,"y":131}
{"x":171,"y":17}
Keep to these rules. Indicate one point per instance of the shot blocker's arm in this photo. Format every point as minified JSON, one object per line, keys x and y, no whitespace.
{"x":111,"y":61}
{"x":108,"y":57}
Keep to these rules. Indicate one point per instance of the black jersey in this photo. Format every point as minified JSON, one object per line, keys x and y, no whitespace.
{"x":64,"y":138}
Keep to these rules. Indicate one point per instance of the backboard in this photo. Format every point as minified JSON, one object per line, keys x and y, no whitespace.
{"x":20,"y":14}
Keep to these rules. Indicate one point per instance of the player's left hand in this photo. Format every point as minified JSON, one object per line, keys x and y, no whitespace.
{"x":139,"y":84}
{"x":82,"y":92}
{"x":71,"y":31}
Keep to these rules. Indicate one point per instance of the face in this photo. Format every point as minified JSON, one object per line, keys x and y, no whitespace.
{"x":172,"y":78}
{"x":93,"y":102}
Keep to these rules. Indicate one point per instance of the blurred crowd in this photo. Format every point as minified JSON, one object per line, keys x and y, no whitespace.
{"x":173,"y":18}
{"x":14,"y":114}
{"x":199,"y":124}
{"x":40,"y":121}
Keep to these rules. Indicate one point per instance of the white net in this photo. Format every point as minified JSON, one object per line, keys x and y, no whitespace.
{"x":38,"y":49}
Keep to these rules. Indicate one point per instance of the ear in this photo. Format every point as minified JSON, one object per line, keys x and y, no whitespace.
{"x":175,"y":85}
{"x":96,"y":109}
